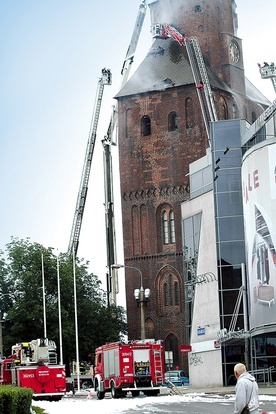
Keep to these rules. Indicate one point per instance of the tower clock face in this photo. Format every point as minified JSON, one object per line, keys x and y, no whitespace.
{"x":234,"y":52}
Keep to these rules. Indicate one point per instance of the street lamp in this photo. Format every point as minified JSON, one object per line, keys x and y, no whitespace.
{"x":141,"y":296}
{"x":113,"y":308}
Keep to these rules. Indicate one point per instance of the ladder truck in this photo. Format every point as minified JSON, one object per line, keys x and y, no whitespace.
{"x":199,"y":72}
{"x":105,"y":79}
{"x":34,"y":365}
{"x":107,"y":142}
{"x":268,"y":70}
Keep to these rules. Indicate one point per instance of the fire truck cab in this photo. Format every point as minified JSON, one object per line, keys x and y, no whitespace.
{"x":135,"y":366}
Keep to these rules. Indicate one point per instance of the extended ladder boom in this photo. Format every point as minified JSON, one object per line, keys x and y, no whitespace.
{"x":76,"y":227}
{"x":108,"y":141}
{"x":134,"y":41}
{"x":198,"y":69}
{"x":129,"y":58}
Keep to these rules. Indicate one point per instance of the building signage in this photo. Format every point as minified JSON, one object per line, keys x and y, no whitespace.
{"x":259,"y":204}
{"x":200,"y":331}
{"x":185,"y":348}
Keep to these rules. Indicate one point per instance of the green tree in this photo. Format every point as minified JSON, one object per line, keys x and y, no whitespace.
{"x":21,"y":281}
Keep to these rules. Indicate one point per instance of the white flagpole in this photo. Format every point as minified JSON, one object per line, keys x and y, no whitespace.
{"x":43,"y":295}
{"x":76,"y":323}
{"x":59,"y":313}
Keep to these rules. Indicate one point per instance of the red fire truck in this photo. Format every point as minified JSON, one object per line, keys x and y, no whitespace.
{"x":34,"y":365}
{"x":135,"y":366}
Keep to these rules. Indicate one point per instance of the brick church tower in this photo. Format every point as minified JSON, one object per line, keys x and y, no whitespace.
{"x":161,"y":131}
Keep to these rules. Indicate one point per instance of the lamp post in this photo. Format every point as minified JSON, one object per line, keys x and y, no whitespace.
{"x":141,"y":296}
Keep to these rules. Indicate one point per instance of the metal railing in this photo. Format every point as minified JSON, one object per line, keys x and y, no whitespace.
{"x":263,"y":375}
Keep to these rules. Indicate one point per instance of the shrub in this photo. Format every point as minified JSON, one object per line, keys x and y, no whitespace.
{"x":14,"y":400}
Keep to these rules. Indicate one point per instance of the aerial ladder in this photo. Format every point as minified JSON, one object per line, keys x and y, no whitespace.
{"x":105,"y":79}
{"x":129,"y":59}
{"x":268,"y":70}
{"x":107,"y":142}
{"x":198,"y":68}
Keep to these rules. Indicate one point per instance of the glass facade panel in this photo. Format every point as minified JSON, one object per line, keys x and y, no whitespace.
{"x":230,"y":159}
{"x":231,"y":228}
{"x":226,"y":133}
{"x":201,"y":181}
{"x":231,"y":278}
{"x":229,"y":203}
{"x":232,"y":253}
{"x":228,"y":179}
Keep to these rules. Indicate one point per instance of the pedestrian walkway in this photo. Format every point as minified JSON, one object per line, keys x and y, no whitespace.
{"x":263,"y":390}
{"x":209,"y":391}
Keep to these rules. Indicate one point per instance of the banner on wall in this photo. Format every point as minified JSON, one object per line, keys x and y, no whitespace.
{"x":259,"y":203}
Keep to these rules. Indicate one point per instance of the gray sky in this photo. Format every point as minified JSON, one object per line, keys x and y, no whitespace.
{"x":52,"y":53}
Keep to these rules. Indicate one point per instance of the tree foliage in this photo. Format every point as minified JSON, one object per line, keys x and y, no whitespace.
{"x":22,"y":272}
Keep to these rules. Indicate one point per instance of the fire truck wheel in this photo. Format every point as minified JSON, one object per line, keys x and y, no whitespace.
{"x":100,"y":395}
{"x":114,"y":392}
{"x":135,"y":393}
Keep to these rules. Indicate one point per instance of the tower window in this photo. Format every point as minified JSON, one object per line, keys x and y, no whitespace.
{"x":165,"y":228}
{"x":172,"y":229}
{"x":172,"y":121}
{"x":223,"y":109}
{"x":176,"y":294}
{"x":166,"y":295}
{"x":168,"y":226}
{"x":197,"y":8}
{"x":170,"y":290}
{"x":145,"y":126}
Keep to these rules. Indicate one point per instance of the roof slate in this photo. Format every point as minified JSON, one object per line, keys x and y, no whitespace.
{"x":165,"y":66}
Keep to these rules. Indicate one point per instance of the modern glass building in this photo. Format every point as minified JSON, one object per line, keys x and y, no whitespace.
{"x":229,"y":239}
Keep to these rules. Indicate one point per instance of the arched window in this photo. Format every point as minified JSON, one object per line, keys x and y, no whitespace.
{"x":165,"y":228}
{"x":172,"y":121}
{"x":223,"y":110}
{"x":168,"y":229}
{"x":171,"y":296}
{"x":170,"y":290}
{"x":172,"y":229}
{"x":166,"y":294}
{"x":145,"y":126}
{"x":176,"y":294}
{"x":144,"y":230}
